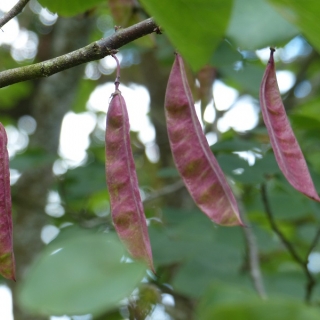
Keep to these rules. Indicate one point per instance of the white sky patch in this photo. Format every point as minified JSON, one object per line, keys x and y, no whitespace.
{"x":286,"y":80}
{"x":158,"y":312}
{"x":17,"y":140}
{"x":48,"y":233}
{"x":74,"y":136}
{"x":224,"y":96}
{"x":211,"y":138}
{"x":53,"y":207}
{"x":108,"y":64}
{"x":5,"y":6}
{"x":314,"y":262}
{"x":209,"y":113}
{"x":47,"y":18}
{"x":264,"y":54}
{"x":25,"y":45}
{"x":242,"y":117}
{"x":5,"y":303}
{"x":10,"y":32}
{"x":60,"y":318}
{"x":197,"y":106}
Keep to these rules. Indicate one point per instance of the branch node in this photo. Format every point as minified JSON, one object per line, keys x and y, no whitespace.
{"x":157,"y":30}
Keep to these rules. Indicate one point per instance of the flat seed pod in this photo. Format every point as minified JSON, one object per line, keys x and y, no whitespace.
{"x":194,"y":160}
{"x":7,"y":262}
{"x":284,"y":143}
{"x":126,"y":205}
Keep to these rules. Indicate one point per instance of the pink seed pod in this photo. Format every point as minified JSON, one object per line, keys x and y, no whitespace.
{"x":284,"y":143}
{"x":194,"y":160}
{"x":126,"y":205}
{"x":7,"y":261}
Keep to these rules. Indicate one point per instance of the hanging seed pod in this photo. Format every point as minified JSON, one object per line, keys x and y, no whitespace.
{"x":7,"y":262}
{"x":284,"y":143}
{"x":194,"y":160}
{"x":126,"y":205}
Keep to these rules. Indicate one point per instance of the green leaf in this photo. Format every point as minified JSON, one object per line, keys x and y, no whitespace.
{"x":79,"y":273}
{"x":304,"y":14}
{"x":195,"y":28}
{"x":11,"y":95}
{"x":225,"y":55}
{"x":224,"y":302}
{"x":70,"y":7}
{"x":254,"y":25}
{"x":30,"y":159}
{"x":248,"y":76}
{"x":235,"y":144}
{"x":86,"y":87}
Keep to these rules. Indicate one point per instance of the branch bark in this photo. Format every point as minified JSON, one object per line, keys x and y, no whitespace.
{"x":94,"y":51}
{"x":13,"y":12}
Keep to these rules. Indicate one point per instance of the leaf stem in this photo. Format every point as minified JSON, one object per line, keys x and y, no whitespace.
{"x":311,"y":282}
{"x":117,"y":81}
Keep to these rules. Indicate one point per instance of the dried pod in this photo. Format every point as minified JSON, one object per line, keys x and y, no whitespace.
{"x":284,"y":143}
{"x":196,"y":163}
{"x":7,"y":262}
{"x":126,"y":205}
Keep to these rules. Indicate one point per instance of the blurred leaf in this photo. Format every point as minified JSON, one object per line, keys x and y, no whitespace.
{"x":308,"y":109}
{"x":219,"y":259}
{"x":183,"y":235}
{"x":225,"y":55}
{"x":168,"y":172}
{"x":239,"y":169}
{"x":194,"y":27}
{"x":70,"y":7}
{"x":300,"y":121}
{"x":84,"y":91}
{"x":235,"y":144}
{"x":303,"y":14}
{"x":30,"y":159}
{"x":85,"y":180}
{"x":222,"y":302}
{"x":248,"y":76}
{"x":254,"y":25}
{"x":9,"y":96}
{"x":79,"y":273}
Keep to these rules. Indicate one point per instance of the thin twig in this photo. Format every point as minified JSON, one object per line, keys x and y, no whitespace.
{"x":94,"y":51}
{"x":303,"y":263}
{"x":13,"y":12}
{"x":254,"y":262}
{"x":314,"y":242}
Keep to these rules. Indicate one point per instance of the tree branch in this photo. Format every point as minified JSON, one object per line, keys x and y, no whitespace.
{"x":13,"y":12}
{"x":303,"y":263}
{"x":94,"y":51}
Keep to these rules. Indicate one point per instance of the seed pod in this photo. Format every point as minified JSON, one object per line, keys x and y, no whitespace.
{"x":7,"y":262}
{"x":284,"y":143}
{"x":196,"y":163}
{"x":126,"y":205}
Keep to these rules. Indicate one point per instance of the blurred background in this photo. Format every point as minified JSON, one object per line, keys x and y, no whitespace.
{"x":70,"y":263}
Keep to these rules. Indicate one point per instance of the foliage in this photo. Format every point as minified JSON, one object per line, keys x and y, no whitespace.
{"x":208,"y":271}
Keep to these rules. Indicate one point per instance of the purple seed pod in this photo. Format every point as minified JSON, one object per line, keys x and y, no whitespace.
{"x":194,"y":160}
{"x":126,"y":205}
{"x":284,"y":143}
{"x":7,"y":262}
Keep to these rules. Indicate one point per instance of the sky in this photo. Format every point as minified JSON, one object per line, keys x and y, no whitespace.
{"x":76,"y":128}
